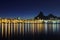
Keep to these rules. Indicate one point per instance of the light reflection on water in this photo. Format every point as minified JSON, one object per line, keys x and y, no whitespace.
{"x":23,"y":28}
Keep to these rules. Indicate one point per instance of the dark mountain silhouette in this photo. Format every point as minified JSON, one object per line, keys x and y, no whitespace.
{"x":42,"y":16}
{"x":51,"y":16}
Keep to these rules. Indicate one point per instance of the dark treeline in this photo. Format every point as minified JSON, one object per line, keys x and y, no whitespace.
{"x":42,"y":16}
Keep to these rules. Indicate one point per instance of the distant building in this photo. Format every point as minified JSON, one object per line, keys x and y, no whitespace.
{"x":18,"y":18}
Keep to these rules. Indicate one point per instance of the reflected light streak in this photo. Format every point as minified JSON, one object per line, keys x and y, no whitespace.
{"x":9,"y":29}
{"x":46,"y":26}
{"x":54,"y":26}
{"x":20,"y":28}
{"x":6,"y":29}
{"x":2,"y":29}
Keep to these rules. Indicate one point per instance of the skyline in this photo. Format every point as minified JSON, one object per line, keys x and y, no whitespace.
{"x":39,"y":16}
{"x":28,"y":8}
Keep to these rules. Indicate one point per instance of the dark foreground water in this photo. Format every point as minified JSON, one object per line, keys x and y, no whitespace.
{"x":42,"y":36}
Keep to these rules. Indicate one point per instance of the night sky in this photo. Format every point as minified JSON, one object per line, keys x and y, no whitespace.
{"x":28,"y":8}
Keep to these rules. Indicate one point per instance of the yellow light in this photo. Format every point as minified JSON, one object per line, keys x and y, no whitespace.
{"x":20,"y":28}
{"x":5,"y":29}
{"x":9,"y":29}
{"x":2,"y":29}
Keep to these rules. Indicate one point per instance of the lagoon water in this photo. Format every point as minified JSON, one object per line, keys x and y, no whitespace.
{"x":29,"y":30}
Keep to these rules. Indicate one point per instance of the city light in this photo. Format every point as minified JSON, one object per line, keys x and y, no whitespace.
{"x":28,"y":26}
